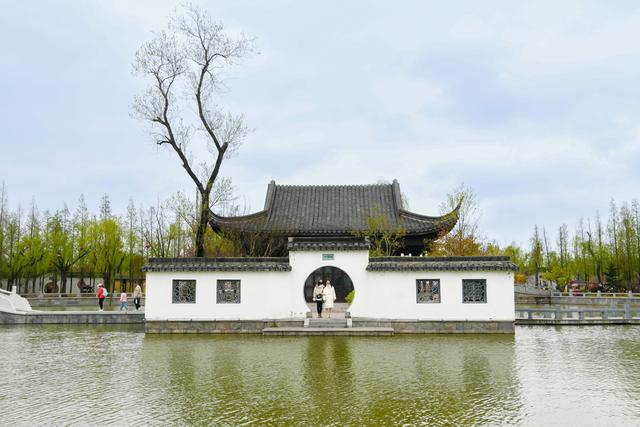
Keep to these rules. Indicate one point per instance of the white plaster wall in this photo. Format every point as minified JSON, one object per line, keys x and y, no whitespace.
{"x":393,"y":295}
{"x":280,"y":295}
{"x":303,"y":263}
{"x":263,"y":295}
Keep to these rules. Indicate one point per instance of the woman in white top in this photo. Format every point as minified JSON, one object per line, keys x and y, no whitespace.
{"x":328,"y":296}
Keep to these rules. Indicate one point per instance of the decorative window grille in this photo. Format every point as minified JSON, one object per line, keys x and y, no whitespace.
{"x":184,"y":291}
{"x":427,"y":291}
{"x":474,"y":291}
{"x":228,"y":292}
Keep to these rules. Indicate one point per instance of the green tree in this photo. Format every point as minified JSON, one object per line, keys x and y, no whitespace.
{"x":614,"y":282}
{"x":385,"y":238}
{"x":16,"y":260}
{"x":134,"y":260}
{"x":82,"y":239}
{"x":536,"y":257}
{"x":3,"y":227}
{"x":63,"y":251}
{"x":36,"y":254}
{"x":108,"y":252}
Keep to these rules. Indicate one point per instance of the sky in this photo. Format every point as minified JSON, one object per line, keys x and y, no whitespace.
{"x":534,"y":105}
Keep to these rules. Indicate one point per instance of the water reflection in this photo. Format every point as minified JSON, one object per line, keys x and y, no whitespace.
{"x":337,"y":380}
{"x":56,"y":375}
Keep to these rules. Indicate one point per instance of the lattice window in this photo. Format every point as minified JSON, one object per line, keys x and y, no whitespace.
{"x":427,"y":291}
{"x":184,"y":292}
{"x":474,"y":291}
{"x":228,"y":292}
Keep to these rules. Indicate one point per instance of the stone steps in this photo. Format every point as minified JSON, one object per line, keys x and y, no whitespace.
{"x":327,"y":323}
{"x":312,"y":331}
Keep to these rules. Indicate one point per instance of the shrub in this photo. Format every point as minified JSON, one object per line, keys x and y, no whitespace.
{"x":349,"y":297}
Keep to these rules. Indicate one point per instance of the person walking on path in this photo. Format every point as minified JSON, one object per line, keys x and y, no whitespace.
{"x":137,"y":294}
{"x":317,"y":296}
{"x":101,"y":296}
{"x":328,"y":296}
{"x":123,"y":301}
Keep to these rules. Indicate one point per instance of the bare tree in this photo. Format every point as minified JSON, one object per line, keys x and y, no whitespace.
{"x":185,"y":64}
{"x":465,"y":238}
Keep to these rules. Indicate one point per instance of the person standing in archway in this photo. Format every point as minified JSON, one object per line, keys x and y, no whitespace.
{"x":318,"y":296}
{"x":328,"y":296}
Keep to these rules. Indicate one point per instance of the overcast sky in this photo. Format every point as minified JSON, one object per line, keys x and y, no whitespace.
{"x":535,"y":107}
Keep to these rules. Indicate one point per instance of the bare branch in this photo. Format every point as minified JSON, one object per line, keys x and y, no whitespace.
{"x":193,"y":52}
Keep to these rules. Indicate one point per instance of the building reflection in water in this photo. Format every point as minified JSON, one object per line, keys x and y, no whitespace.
{"x":435,"y":380}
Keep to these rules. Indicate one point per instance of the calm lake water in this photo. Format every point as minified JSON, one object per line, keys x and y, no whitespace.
{"x":55,"y":375}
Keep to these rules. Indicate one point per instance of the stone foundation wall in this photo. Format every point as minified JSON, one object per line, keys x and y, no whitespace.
{"x":216,"y":326}
{"x":399,"y":326}
{"x":439,"y":327}
{"x":68,"y":318}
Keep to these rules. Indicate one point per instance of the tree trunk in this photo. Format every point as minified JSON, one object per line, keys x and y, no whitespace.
{"x":63,"y":282}
{"x":203,"y":223}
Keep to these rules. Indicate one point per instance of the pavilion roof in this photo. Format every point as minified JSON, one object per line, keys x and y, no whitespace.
{"x":317,"y":210}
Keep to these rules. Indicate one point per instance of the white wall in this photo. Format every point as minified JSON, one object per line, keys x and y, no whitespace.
{"x":393,"y":295}
{"x":278,"y":295}
{"x":263,"y":295}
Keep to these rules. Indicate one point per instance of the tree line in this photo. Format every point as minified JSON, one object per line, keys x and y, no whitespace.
{"x":602,"y":253}
{"x":36,"y":244}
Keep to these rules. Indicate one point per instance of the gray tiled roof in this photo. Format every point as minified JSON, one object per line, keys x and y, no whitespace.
{"x":441,"y":264}
{"x":316,"y":210}
{"x":328,"y":244}
{"x":217,"y":264}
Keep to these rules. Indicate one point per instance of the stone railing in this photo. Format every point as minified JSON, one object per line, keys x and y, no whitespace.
{"x":578,"y":315}
{"x":596,"y":294}
{"x":531,"y":290}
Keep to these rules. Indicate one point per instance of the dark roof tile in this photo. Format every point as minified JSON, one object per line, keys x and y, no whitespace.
{"x":334,"y":210}
{"x":441,"y":264}
{"x":217,"y":264}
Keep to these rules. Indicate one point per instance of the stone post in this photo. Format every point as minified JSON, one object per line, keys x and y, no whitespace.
{"x":546,"y":314}
{"x":14,"y":289}
{"x":558,"y":313}
{"x":627,"y":311}
{"x":306,"y":319}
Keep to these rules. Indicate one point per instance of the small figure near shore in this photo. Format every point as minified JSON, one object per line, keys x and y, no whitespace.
{"x":123,"y":301}
{"x":102,"y":294}
{"x":137,"y":294}
{"x":328,"y":296}
{"x":317,"y":296}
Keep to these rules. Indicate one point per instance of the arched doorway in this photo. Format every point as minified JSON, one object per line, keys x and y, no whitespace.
{"x":339,"y":279}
